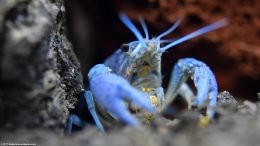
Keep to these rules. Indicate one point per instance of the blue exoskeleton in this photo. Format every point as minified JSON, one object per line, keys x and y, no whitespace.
{"x":131,"y":79}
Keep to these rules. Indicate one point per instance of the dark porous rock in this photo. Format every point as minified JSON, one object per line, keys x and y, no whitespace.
{"x":40,"y":76}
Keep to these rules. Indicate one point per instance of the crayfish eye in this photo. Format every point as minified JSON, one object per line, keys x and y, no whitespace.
{"x":124,"y":47}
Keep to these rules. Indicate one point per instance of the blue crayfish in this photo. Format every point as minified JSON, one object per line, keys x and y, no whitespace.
{"x":131,"y":80}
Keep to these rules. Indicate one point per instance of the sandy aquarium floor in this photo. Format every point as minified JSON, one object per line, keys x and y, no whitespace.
{"x":237,"y":125}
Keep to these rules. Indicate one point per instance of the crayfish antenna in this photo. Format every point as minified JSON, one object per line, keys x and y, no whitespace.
{"x":203,"y":30}
{"x":144,"y":26}
{"x":129,"y":24}
{"x":171,"y":29}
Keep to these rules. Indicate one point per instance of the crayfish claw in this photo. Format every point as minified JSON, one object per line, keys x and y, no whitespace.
{"x":204,"y":81}
{"x":120,"y":92}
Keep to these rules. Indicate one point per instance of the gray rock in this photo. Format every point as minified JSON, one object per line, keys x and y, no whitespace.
{"x":39,"y":73}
